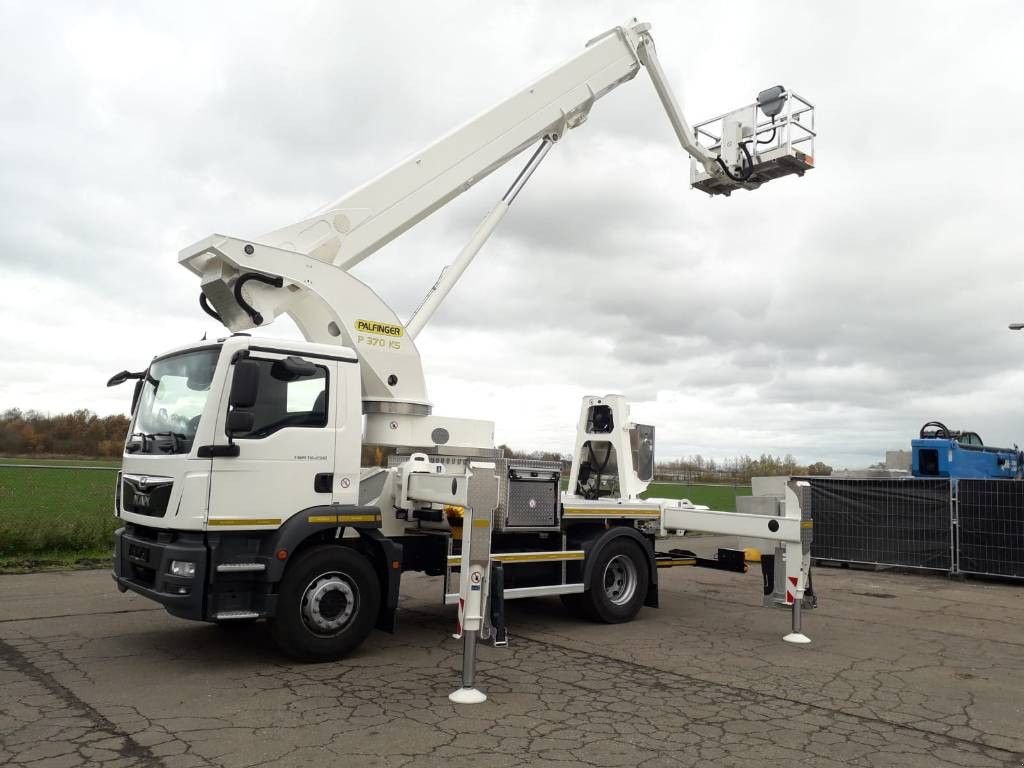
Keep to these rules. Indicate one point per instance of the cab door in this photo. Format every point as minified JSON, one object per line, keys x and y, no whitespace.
{"x":285,"y":462}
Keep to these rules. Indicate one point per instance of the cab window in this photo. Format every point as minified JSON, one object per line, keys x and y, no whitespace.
{"x":285,"y":400}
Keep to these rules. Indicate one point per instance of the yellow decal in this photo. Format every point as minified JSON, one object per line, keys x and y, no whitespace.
{"x":315,"y":519}
{"x":358,"y":518}
{"x":525,"y":557}
{"x":536,"y":557}
{"x":610,"y":513}
{"x":238,"y":521}
{"x":381,"y":329}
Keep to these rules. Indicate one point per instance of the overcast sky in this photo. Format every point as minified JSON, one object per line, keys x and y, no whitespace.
{"x":827,"y":316}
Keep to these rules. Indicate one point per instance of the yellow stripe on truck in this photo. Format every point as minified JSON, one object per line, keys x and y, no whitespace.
{"x":531,"y":557}
{"x":322,"y":519}
{"x":342,"y":519}
{"x":526,"y":557}
{"x":612,"y":513}
{"x":243,"y":521}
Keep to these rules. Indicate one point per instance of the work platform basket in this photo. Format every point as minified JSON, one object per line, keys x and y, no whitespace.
{"x":769,"y":139}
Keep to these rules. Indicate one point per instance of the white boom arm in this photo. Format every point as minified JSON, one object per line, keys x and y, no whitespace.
{"x":352,"y":227}
{"x":302,"y":269}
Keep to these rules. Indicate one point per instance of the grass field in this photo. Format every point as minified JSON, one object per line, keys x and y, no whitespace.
{"x":715,"y":496}
{"x":60,"y":461}
{"x":55,"y":516}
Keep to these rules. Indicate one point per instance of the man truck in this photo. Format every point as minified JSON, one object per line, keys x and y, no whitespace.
{"x":243,"y":495}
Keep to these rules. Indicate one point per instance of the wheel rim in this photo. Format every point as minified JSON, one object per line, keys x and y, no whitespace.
{"x":620,"y":579}
{"x":329,"y":603}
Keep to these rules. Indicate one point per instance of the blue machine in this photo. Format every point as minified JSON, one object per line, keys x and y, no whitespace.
{"x":943,"y":452}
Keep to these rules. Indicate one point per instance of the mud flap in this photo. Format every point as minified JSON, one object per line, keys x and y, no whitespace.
{"x":499,"y":633}
{"x":388,"y":564}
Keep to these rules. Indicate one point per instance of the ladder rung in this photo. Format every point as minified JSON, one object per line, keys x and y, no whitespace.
{"x":236,"y":615}
{"x":241,"y":567}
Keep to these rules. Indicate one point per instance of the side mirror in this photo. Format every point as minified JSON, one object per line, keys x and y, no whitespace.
{"x":123,"y":376}
{"x":292,"y":368}
{"x":239,"y":422}
{"x":245,"y":385}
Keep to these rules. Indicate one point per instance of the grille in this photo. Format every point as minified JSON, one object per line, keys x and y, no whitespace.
{"x":145,"y":498}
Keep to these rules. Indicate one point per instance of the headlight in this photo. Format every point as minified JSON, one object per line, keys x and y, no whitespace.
{"x":186,"y":569}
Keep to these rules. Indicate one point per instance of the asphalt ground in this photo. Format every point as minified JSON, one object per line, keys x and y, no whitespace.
{"x":904,"y":670}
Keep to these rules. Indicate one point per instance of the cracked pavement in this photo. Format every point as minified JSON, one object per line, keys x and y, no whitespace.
{"x":904,"y":670}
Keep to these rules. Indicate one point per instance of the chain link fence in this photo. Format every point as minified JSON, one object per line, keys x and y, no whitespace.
{"x":955,"y":526}
{"x":990,"y":527}
{"x":883,"y":522}
{"x":55,"y":508}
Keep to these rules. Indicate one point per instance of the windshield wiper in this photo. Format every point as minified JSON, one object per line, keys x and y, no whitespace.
{"x":175,"y":437}
{"x":130,"y":448}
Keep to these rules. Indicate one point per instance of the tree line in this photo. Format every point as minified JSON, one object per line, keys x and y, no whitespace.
{"x":739,"y":469}
{"x":84,"y":434}
{"x":698,"y":469}
{"x":81,"y":434}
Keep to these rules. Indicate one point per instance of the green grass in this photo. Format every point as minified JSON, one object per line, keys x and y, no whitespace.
{"x":55,"y":560}
{"x":54,"y":514}
{"x":715,"y":496}
{"x":60,"y":461}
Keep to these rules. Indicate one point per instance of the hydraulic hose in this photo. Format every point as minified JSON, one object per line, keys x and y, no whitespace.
{"x":748,"y":170}
{"x":205,"y":304}
{"x":254,"y":315}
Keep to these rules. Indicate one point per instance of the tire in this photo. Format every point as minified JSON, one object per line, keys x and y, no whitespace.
{"x":618,"y":583}
{"x":327,"y":604}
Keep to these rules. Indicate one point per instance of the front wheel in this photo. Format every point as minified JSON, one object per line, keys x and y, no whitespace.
{"x":618,"y":582}
{"x":327,"y":604}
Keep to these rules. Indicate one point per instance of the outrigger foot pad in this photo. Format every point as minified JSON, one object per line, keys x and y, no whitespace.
{"x":470,"y":696}
{"x":797,"y":638}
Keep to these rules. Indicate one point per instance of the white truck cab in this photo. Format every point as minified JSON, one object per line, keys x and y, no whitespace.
{"x":234,"y":439}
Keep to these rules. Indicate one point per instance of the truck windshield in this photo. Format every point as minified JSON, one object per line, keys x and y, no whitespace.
{"x":173,"y":396}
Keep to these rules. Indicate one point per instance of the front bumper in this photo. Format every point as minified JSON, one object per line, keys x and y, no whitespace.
{"x":142,"y":563}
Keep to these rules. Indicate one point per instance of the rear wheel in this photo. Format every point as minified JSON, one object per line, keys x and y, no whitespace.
{"x":617,"y":585}
{"x":327,"y":604}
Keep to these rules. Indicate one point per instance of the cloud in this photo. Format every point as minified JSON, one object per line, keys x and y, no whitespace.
{"x":826,"y":316}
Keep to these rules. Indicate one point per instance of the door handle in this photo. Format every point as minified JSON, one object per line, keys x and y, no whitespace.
{"x":323,"y":481}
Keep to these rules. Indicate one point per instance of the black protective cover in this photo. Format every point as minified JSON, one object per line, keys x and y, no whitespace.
{"x":888,"y":522}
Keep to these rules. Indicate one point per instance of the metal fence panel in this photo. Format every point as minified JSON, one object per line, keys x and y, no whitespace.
{"x":990,"y":527}
{"x":885,"y":522}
